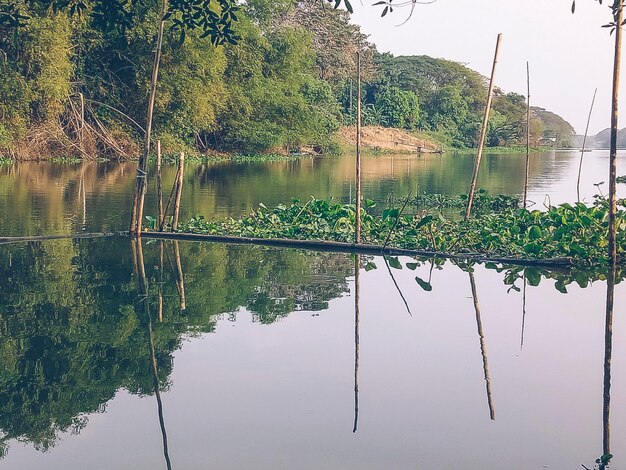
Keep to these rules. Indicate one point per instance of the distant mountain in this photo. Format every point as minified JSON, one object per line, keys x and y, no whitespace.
{"x":602,"y":139}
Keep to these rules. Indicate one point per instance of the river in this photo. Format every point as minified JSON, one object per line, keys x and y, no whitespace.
{"x":239,"y":357}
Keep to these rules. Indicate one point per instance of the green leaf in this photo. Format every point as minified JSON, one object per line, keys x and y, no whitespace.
{"x":394,"y":262}
{"x":533,"y":276}
{"x":370,"y":266}
{"x":423,"y":284}
{"x":534,"y":232}
{"x":393,"y":213}
{"x":412,"y":266}
{"x":425,"y":221}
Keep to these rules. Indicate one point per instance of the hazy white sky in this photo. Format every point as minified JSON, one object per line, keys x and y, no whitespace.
{"x":569,"y":55}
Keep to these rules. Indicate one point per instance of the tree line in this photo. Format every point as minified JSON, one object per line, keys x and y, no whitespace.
{"x":279,"y":74}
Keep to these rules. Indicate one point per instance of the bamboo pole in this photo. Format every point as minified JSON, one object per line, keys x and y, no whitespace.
{"x":483,"y":348}
{"x":357,"y":300}
{"x":82,"y":122}
{"x":342,"y":247}
{"x":619,"y":15}
{"x":527,"y":135}
{"x":582,"y":152}
{"x":179,"y":190}
{"x":483,"y":133}
{"x":142,"y":167}
{"x":357,"y":233}
{"x":159,"y":188}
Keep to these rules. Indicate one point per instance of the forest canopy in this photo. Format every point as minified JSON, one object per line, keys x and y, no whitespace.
{"x":246,"y":77}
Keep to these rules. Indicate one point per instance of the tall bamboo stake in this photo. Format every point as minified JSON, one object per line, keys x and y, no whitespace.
{"x":357,"y":299}
{"x":357,"y":233}
{"x":483,"y":133}
{"x":142,"y":167}
{"x":179,"y":190}
{"x":82,"y":121}
{"x":483,"y":348}
{"x":159,"y":188}
{"x":614,"y":118}
{"x":582,"y":152}
{"x":527,"y":135}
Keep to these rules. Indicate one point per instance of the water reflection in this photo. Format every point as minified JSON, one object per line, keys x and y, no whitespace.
{"x":483,"y":348}
{"x":608,"y":351}
{"x":141,"y":282}
{"x":357,"y":301}
{"x":82,"y":321}
{"x":43,"y":198}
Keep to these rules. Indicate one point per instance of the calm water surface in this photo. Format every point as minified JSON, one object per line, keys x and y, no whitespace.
{"x":39,"y":198}
{"x":233,"y":357}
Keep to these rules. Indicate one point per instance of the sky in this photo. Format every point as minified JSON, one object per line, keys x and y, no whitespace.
{"x":569,"y":54}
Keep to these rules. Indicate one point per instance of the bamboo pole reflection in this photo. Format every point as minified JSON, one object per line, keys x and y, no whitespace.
{"x":483,"y":349}
{"x":406,"y":304}
{"x":608,"y":350}
{"x":357,"y":293}
{"x":523,"y":311}
{"x":142,"y":290}
{"x":161,"y":256}
{"x":180,"y":279}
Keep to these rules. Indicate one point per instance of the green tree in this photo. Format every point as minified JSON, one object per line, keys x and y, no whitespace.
{"x":398,"y":108}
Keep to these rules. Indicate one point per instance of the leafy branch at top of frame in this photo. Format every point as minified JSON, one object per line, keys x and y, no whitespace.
{"x":214,"y":19}
{"x":615,"y":9}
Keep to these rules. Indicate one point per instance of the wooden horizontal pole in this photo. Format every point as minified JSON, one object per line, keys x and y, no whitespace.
{"x":41,"y":238}
{"x":341,"y":247}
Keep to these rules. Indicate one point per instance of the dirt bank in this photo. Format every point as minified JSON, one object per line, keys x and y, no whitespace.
{"x":387,"y":139}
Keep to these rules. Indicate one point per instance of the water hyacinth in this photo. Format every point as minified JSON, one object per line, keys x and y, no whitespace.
{"x":577,"y":231}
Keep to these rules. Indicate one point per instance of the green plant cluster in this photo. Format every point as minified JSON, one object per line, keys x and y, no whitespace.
{"x":576,"y":231}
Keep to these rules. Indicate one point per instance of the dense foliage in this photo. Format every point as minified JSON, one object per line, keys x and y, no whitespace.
{"x":452,"y":100}
{"x":260,"y":75}
{"x":263,"y":92}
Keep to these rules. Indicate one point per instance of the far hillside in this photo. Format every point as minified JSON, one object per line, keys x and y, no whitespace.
{"x":447,"y":99}
{"x":602,"y":140}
